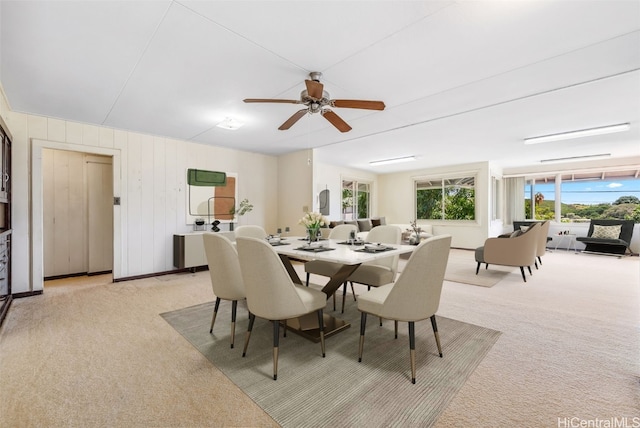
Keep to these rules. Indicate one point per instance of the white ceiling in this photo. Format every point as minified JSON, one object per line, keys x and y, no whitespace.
{"x":463,"y":81}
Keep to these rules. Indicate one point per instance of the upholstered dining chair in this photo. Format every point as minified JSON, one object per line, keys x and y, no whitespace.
{"x":250,"y":231}
{"x":272,"y":295}
{"x":518,"y":251}
{"x":322,"y":268}
{"x":226,"y":279}
{"x":415,"y":296}
{"x":382,"y":271}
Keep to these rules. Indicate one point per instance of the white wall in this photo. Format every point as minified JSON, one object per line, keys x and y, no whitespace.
{"x":295,"y":195}
{"x":396,"y":201}
{"x":152,"y":183}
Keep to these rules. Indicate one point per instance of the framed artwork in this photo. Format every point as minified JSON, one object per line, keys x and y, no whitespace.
{"x":211,"y":197}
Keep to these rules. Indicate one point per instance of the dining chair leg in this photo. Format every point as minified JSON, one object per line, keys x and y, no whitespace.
{"x":412,"y":350}
{"x":344,"y":295}
{"x":354,"y":292}
{"x":334,"y":301}
{"x":523,"y":275}
{"x":276,"y":341}
{"x":540,"y":260}
{"x":321,"y":327}
{"x":380,"y":318}
{"x":308,"y":275}
{"x":435,"y":333}
{"x":529,"y":267}
{"x":363,"y":325}
{"x":535,"y":262}
{"x":234,"y":309}
{"x":395,"y":328}
{"x":284,"y":334}
{"x":215,"y":312}
{"x":252,"y":318}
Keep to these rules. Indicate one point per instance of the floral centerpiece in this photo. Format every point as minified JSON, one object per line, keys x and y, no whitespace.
{"x":415,"y":239}
{"x":313,"y":221}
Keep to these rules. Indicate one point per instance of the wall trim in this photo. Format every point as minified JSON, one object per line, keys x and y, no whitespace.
{"x":37,"y":244}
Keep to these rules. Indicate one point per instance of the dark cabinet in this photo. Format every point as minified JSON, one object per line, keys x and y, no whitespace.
{"x":5,"y":221}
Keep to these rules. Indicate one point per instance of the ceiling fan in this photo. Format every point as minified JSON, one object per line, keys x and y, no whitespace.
{"x":317,"y":100}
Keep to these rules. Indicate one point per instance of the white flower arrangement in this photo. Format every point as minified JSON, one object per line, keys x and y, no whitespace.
{"x":313,"y":220}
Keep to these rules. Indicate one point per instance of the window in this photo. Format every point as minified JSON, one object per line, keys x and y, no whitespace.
{"x":356,"y":199}
{"x":446,"y":198}
{"x":542,"y":193}
{"x":585,"y":196}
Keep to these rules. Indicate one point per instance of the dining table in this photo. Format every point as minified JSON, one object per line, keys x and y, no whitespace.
{"x":348,"y":254}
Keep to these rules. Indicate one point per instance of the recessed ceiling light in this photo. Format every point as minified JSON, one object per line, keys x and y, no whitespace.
{"x":394,"y":160}
{"x":230,"y":124}
{"x":573,"y":158}
{"x":578,"y":134}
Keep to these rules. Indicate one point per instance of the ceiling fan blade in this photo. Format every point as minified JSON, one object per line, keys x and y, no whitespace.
{"x":293,"y":119}
{"x":336,"y":121}
{"x":368,"y":105}
{"x":268,"y":100}
{"x":314,"y":89}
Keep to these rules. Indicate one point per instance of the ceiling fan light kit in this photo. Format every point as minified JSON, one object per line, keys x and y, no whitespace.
{"x":317,"y":100}
{"x":609,"y":129}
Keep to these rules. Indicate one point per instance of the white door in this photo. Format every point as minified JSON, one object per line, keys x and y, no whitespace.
{"x":100,"y":214}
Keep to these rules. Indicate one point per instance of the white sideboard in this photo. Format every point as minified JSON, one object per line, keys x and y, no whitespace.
{"x":188,"y":249}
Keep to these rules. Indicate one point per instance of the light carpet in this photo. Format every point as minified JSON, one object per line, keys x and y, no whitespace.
{"x":338,"y":391}
{"x":462,"y":268}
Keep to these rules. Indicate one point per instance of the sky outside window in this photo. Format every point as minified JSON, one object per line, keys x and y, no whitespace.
{"x":589,"y":192}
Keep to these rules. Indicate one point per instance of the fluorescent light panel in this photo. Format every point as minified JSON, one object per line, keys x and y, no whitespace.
{"x":573,"y":158}
{"x":578,"y":134}
{"x":394,"y":160}
{"x":230,"y":124}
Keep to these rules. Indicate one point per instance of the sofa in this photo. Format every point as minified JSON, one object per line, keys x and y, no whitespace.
{"x":364,"y":225}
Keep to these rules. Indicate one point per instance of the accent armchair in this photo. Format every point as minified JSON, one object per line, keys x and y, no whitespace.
{"x":518,"y":251}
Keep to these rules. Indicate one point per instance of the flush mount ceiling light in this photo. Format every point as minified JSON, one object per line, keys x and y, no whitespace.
{"x":573,"y":158}
{"x":610,"y":129}
{"x":394,"y":160}
{"x":230,"y":124}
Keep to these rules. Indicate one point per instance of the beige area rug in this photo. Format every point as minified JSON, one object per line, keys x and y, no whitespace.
{"x":338,"y":391}
{"x":462,"y":268}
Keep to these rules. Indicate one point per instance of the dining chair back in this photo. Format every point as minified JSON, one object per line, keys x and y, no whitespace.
{"x":272,"y":294}
{"x":415,"y":296}
{"x":250,"y":231}
{"x":224,"y":270}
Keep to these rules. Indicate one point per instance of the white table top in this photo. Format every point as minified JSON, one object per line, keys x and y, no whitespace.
{"x":342,"y":253}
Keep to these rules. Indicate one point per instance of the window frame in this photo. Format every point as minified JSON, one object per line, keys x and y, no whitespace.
{"x":442,"y":178}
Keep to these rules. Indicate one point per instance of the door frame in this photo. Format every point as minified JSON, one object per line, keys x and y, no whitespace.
{"x":37,"y":228}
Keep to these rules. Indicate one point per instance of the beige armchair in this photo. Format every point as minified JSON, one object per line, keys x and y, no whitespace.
{"x":226,"y":279}
{"x":519,"y":251}
{"x":271,"y":294}
{"x":415,"y":296}
{"x":543,"y":236}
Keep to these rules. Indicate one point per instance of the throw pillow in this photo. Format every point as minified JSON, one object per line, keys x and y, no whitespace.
{"x":606,"y":232}
{"x":524,"y":228}
{"x":334,"y":223}
{"x":516,"y":233}
{"x":364,"y":225}
{"x":375,"y":222}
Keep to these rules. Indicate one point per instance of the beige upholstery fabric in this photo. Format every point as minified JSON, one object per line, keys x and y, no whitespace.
{"x":542,"y":239}
{"x":415,"y":295}
{"x":224,"y":270}
{"x":271,"y":294}
{"x":517,"y":251}
{"x":250,"y":231}
{"x":224,"y":267}
{"x":319,"y":267}
{"x":382,"y":271}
